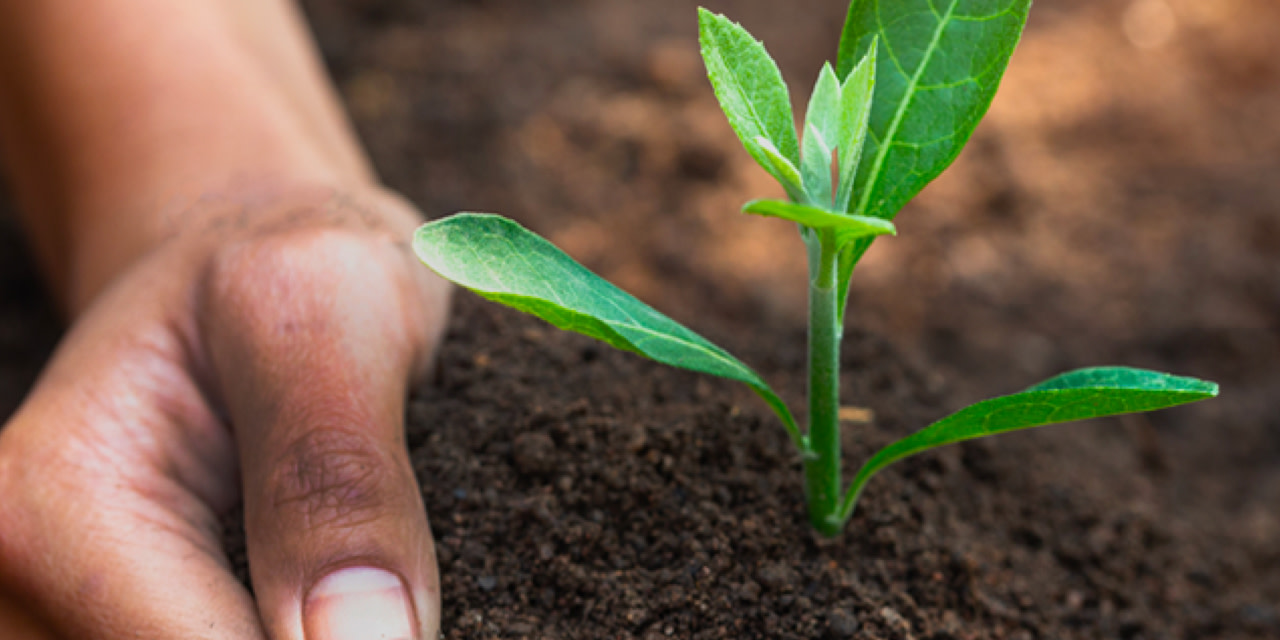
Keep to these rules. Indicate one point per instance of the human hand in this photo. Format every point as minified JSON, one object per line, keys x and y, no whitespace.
{"x":266,"y":347}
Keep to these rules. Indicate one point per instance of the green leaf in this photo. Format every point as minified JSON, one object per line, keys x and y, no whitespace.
{"x":749,"y":87}
{"x":847,"y":228}
{"x":834,"y":132}
{"x":937,"y":71}
{"x":856,"y":95}
{"x":504,"y":262}
{"x":781,"y":168}
{"x":821,"y":136}
{"x":1076,"y":395}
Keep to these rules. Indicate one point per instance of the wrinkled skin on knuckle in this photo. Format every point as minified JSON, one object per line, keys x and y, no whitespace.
{"x":283,"y":261}
{"x":285,"y":279}
{"x":329,"y":478}
{"x":339,"y":256}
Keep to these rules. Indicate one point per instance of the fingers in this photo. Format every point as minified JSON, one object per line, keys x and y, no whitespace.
{"x":313,"y":334}
{"x":108,"y":556}
{"x":112,"y":474}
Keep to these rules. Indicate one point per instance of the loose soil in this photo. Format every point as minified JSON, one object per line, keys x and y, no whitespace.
{"x":1118,"y":206}
{"x":578,"y":492}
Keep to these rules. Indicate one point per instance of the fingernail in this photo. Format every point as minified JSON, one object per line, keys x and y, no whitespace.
{"x":358,"y":603}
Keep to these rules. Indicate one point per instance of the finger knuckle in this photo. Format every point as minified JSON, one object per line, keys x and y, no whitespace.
{"x":286,"y":260}
{"x":331,"y":477}
{"x":302,"y":274}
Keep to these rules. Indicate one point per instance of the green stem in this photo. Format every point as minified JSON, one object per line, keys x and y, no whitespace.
{"x":822,"y":466}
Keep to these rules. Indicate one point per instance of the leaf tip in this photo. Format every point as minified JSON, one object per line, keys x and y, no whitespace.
{"x":708,"y":19}
{"x":828,"y":70}
{"x":1211,"y":389}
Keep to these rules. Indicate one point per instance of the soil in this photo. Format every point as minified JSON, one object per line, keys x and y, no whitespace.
{"x":1117,"y":206}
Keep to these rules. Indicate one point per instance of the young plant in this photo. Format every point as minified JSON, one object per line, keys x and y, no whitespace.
{"x":911,"y":81}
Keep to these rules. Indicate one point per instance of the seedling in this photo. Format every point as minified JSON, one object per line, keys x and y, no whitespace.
{"x":911,"y":81}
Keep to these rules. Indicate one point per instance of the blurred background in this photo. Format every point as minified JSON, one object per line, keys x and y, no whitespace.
{"x":1119,"y":205}
{"x":1120,"y":189}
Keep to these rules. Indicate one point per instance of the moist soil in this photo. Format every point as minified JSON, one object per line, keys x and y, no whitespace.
{"x":1118,"y":206}
{"x":577,"y":492}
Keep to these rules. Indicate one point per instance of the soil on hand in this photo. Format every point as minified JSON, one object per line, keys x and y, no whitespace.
{"x":1118,"y":206}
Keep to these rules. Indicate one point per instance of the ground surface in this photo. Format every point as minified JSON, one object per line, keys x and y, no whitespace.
{"x":1119,"y":205}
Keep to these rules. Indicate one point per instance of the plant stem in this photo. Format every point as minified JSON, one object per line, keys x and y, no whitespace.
{"x":822,"y":466}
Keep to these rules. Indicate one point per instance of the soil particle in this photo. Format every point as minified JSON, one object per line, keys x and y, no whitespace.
{"x":777,"y":576}
{"x":841,"y":624}
{"x":895,"y":622}
{"x":534,"y":453}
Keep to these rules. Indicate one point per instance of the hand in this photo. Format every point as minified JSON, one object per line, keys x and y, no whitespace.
{"x":267,"y":346}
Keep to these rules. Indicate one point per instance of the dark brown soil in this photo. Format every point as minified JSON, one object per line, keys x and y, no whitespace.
{"x":582,"y":493}
{"x":1118,"y":206}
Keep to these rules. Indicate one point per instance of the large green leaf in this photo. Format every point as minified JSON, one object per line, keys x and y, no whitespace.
{"x":504,"y":262}
{"x":749,"y":87}
{"x":1076,"y":395}
{"x":847,"y":228}
{"x":939,"y":64}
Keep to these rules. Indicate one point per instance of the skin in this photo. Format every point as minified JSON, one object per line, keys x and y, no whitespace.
{"x":245,"y":318}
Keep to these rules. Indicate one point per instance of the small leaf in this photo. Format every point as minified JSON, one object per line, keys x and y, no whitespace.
{"x":856,"y":98}
{"x":1076,"y":395}
{"x":749,"y":87}
{"x":937,"y":71}
{"x":821,"y":135}
{"x":847,"y":228}
{"x":504,"y":262}
{"x":855,"y":109}
{"x":781,"y":168}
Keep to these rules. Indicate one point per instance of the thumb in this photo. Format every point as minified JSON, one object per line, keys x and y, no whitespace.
{"x":312,"y":335}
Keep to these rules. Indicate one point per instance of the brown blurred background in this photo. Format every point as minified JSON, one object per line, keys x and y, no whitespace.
{"x":1121,"y":184}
